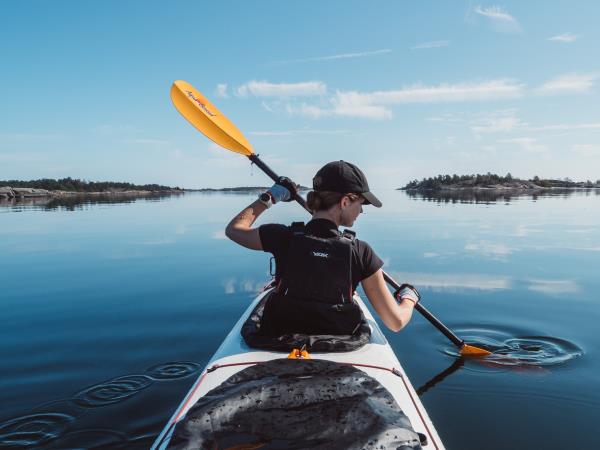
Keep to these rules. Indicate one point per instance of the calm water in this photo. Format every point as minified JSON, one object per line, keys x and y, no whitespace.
{"x":110,"y":310}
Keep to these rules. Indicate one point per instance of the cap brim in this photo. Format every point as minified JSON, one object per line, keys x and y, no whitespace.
{"x":370,"y":199}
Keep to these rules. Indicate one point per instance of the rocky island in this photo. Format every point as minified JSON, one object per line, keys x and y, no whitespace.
{"x":493,"y":182}
{"x":491,"y":188}
{"x":65,"y":187}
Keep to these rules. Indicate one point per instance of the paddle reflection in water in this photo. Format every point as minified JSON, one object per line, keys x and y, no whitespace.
{"x":457,"y":364}
{"x":528,"y":353}
{"x":522,"y":352}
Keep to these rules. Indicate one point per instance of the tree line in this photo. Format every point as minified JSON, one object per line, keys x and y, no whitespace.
{"x":491,"y":179}
{"x":77,"y":185}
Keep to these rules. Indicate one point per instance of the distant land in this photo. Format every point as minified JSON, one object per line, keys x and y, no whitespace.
{"x":65,"y":187}
{"x":244,"y":189}
{"x":48,"y":187}
{"x":491,"y":181}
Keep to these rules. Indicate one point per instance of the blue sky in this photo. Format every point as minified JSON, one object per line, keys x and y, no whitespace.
{"x":403,"y":89}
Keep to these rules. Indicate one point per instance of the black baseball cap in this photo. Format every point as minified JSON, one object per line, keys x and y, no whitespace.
{"x":345,"y":178}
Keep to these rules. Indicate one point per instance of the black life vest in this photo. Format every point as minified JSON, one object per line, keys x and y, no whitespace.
{"x":314,"y":294}
{"x":318,"y":269}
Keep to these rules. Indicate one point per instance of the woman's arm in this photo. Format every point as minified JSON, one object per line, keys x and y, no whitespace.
{"x":240,"y":229}
{"x":395,"y":315}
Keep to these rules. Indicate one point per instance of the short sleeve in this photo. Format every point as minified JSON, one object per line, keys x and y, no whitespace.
{"x":368,"y":260}
{"x":273,"y":237}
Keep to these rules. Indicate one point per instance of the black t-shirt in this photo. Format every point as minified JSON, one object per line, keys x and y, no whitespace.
{"x":275,"y":239}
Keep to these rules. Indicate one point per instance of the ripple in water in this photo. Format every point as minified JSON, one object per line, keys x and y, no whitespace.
{"x":33,"y":430}
{"x":91,"y":439}
{"x":112,"y":391}
{"x":172,"y":370}
{"x":519,"y":351}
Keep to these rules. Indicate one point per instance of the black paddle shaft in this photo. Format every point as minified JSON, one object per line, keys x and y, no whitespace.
{"x":419,"y":307}
{"x":425,"y":313}
{"x":273,"y":176}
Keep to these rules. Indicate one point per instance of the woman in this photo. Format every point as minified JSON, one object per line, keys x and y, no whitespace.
{"x":319,"y":267}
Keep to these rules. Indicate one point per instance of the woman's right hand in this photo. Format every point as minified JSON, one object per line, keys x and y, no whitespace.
{"x":408,"y":292}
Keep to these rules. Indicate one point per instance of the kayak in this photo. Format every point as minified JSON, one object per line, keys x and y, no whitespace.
{"x":374,"y":365}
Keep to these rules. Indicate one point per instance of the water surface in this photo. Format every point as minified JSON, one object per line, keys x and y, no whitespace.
{"x":110,"y":310}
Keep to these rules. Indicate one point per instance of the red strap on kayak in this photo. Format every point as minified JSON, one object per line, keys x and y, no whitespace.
{"x":249,"y":363}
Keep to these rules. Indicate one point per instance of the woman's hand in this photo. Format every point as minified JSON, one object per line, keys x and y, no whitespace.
{"x":283,"y":191}
{"x":407,"y":292}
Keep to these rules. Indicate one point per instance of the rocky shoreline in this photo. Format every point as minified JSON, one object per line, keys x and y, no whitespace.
{"x":521,"y":188}
{"x":16,"y":193}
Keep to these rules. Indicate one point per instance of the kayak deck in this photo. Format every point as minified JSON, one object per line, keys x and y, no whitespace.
{"x":376,"y":358}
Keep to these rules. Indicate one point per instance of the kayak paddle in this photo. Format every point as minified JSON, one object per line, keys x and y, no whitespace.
{"x":205,"y":117}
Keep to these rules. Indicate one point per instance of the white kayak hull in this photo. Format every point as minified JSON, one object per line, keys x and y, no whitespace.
{"x":376,"y":358}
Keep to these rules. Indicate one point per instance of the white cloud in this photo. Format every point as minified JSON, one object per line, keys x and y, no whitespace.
{"x":222,"y":91}
{"x":31,"y":137}
{"x":565,"y":37}
{"x":219,"y":159}
{"x":526,"y":143}
{"x":500,"y":20}
{"x":143,"y":141}
{"x":312,"y":111}
{"x":266,"y":89}
{"x":586,"y":149}
{"x":446,"y":118}
{"x":432,"y":44}
{"x":461,"y":92}
{"x":374,"y":105}
{"x":22,"y":157}
{"x":355,"y":104}
{"x":298,"y":132}
{"x":496,"y":122}
{"x":338,"y":56}
{"x":568,"y":84}
{"x":567,"y":127}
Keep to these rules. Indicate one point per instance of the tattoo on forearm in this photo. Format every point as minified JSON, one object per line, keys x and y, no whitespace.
{"x":245,"y":215}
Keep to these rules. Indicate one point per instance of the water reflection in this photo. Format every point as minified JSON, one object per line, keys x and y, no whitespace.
{"x":512,"y":350}
{"x":525,"y":353}
{"x":78,"y":202}
{"x":487,"y":196}
{"x":455,"y":281}
{"x":72,"y":422}
{"x":438,"y":378}
{"x":33,"y":430}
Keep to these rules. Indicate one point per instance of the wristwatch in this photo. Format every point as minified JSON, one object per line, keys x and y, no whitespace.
{"x":265,"y":199}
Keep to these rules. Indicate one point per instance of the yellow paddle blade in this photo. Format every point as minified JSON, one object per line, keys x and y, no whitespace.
{"x":469,"y":350}
{"x":201,"y":113}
